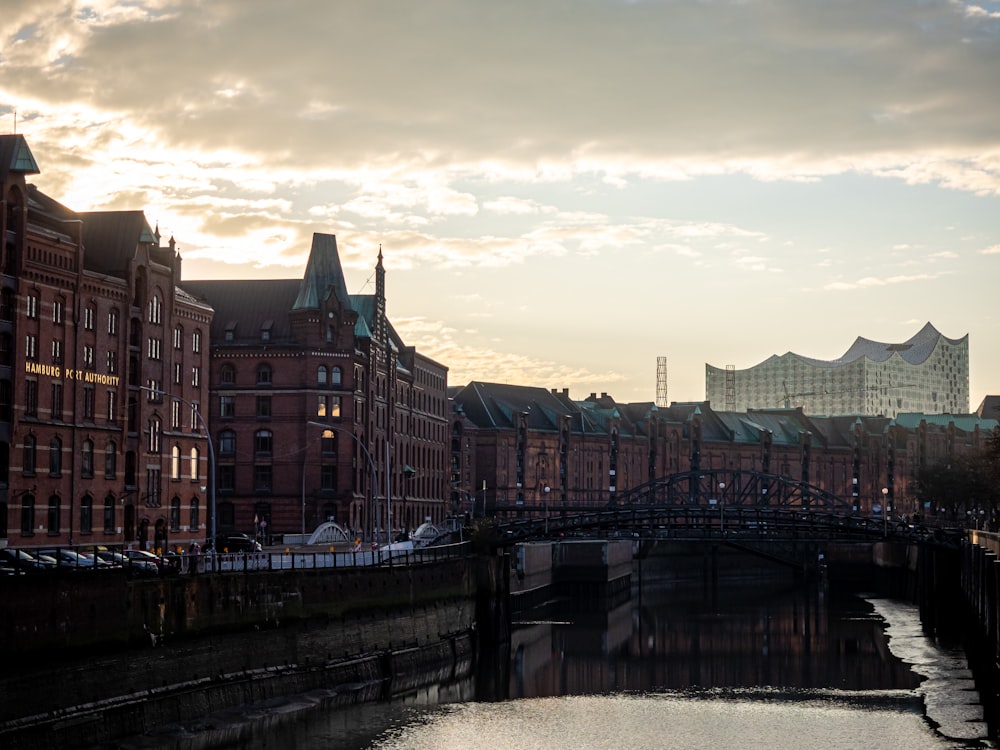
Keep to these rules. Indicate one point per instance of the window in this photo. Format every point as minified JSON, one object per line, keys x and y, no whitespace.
{"x":227,"y":407}
{"x":112,"y":362}
{"x":262,"y":478}
{"x":29,"y":455}
{"x":321,"y":375}
{"x":194,"y":459}
{"x":57,"y":401}
{"x":155,"y":309}
{"x":264,"y":374}
{"x":195,"y":417}
{"x":328,"y":477}
{"x":86,"y":514}
{"x":31,"y":306}
{"x":109,"y":515}
{"x":31,"y":398}
{"x":322,"y":406}
{"x":88,"y":402}
{"x":110,"y":461}
{"x":88,"y":318}
{"x":113,"y":322}
{"x":175,"y":462}
{"x":196,"y":377}
{"x":153,"y":442}
{"x":57,"y":352}
{"x":226,"y":477}
{"x":328,"y":443}
{"x":7,"y":304}
{"x":193,"y":515}
{"x":154,"y":348}
{"x":28,"y":515}
{"x":336,"y":376}
{"x":334,"y":406}
{"x":175,"y":514}
{"x":263,"y":407}
{"x":87,"y":459}
{"x":178,"y":368}
{"x":154,"y":393}
{"x":175,"y":414}
{"x":227,"y":443}
{"x":88,"y":357}
{"x":265,"y":330}
{"x":153,"y":488}
{"x":228,"y":374}
{"x":178,"y":337}
{"x":54,"y":520}
{"x":111,"y":406}
{"x":57,"y":312}
{"x":31,"y":347}
{"x":55,"y":457}
{"x":263,"y":441}
{"x":196,"y":342}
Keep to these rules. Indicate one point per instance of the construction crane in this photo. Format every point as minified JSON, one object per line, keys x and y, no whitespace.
{"x":789,"y":396}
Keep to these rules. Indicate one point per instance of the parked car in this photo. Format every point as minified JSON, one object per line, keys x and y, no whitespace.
{"x":22,"y":560}
{"x":67,"y":558}
{"x":236,"y":543}
{"x":147,"y":561}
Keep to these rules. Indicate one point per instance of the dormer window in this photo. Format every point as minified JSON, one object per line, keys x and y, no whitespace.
{"x":265,"y":330}
{"x":231,"y":331}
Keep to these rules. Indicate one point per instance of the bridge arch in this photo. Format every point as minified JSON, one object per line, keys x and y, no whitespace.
{"x":733,"y":488}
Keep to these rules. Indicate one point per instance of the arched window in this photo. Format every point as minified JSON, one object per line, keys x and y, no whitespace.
{"x":194,"y":464}
{"x":54,"y":519}
{"x":28,"y":514}
{"x":155,"y":309}
{"x":195,"y":521}
{"x":87,"y":459}
{"x":109,"y":514}
{"x":175,"y":462}
{"x":263,"y":441}
{"x":328,"y":443}
{"x":154,"y":435}
{"x":55,"y":457}
{"x":175,"y":514}
{"x":86,"y":514}
{"x":28,"y":460}
{"x":227,"y":443}
{"x":321,"y":374}
{"x":336,"y":376}
{"x":110,"y":461}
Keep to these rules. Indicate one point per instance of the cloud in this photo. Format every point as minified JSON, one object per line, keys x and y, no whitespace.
{"x":992,"y":250}
{"x":872,"y":281}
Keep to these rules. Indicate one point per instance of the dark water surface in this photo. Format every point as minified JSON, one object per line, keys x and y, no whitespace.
{"x":743,"y":665}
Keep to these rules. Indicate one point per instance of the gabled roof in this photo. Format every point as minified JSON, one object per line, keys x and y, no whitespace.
{"x":323,"y":276}
{"x":15,"y":156}
{"x":252,"y":303}
{"x":498,"y":405}
{"x":110,"y":239}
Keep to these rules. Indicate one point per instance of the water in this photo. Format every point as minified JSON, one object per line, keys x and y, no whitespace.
{"x":737,"y":668}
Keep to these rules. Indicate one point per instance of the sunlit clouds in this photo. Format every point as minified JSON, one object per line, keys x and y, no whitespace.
{"x":566,"y":191}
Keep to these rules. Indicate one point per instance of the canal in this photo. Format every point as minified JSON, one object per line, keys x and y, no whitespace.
{"x":751,"y":660}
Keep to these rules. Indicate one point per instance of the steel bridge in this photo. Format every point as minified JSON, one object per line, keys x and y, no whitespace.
{"x":727,"y":504}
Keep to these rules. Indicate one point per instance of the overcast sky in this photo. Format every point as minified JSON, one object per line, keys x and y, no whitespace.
{"x":563,"y":190}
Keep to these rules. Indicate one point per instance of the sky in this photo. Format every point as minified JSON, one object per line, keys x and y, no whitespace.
{"x":563,"y":190}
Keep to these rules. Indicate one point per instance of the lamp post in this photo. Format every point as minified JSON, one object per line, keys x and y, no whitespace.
{"x":356,"y":439}
{"x":545,"y":491}
{"x":211,"y":455}
{"x":722,"y":505}
{"x":885,"y":511}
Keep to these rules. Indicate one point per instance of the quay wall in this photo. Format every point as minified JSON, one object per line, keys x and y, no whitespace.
{"x":92,"y":658}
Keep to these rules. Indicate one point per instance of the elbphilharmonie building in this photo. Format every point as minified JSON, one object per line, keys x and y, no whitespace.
{"x":928,"y":373}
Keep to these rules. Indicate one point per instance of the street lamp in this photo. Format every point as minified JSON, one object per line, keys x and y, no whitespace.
{"x":371,"y":463}
{"x":722,"y":505}
{"x":211,"y":454}
{"x":885,"y":511}
{"x":545,"y":491}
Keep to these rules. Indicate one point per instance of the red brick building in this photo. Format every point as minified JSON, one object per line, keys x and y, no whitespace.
{"x":93,"y":328}
{"x":519,"y":450}
{"x":319,"y":411}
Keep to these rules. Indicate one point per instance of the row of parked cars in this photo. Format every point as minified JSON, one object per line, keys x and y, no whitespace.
{"x":21,"y":561}
{"x":14,"y":561}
